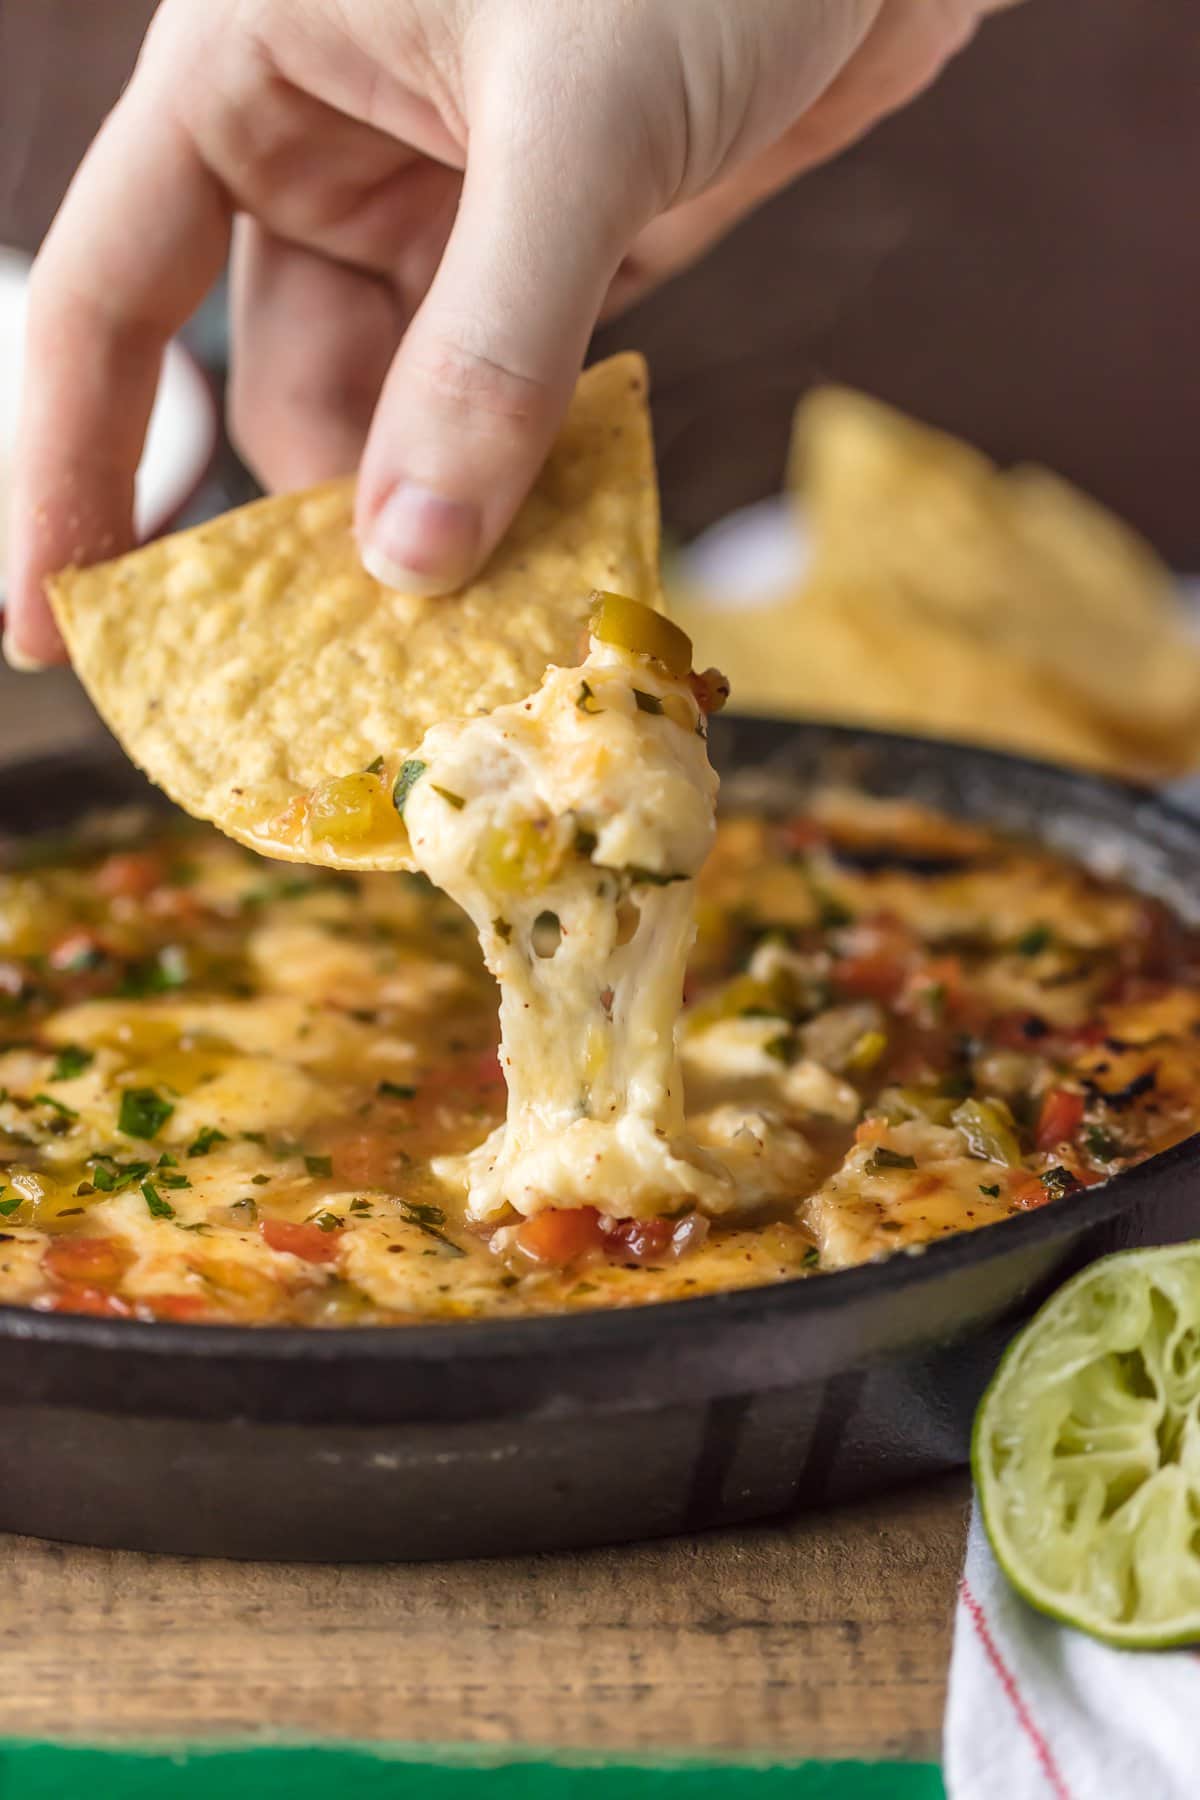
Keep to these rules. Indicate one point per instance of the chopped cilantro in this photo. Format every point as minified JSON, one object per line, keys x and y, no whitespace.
{"x":993,"y":1193}
{"x":319,"y":1165}
{"x":956,"y":1085}
{"x":396,"y":1090}
{"x":832,"y":914}
{"x":425,"y":1213}
{"x":374,"y":768}
{"x":427,"y":1219}
{"x":286,"y":887}
{"x":156,"y":1205}
{"x":143,"y":1112}
{"x":883,"y":1158}
{"x":1101,"y":1144}
{"x":1035,"y":940}
{"x":168,"y":968}
{"x":451,"y":799}
{"x":66,"y":1112}
{"x":174,"y":1181}
{"x":361,"y":1206}
{"x":328,"y":1221}
{"x":1058,"y":1181}
{"x":647,"y":703}
{"x":206,"y":1137}
{"x":111,"y":1176}
{"x":8,"y":1207}
{"x":782,"y":1048}
{"x":410,"y":773}
{"x":587,"y":702}
{"x":71,"y":1060}
{"x":811,"y":1258}
{"x":260,"y":1180}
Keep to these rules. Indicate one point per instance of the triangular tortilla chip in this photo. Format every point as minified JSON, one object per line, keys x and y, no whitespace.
{"x":244,"y":661}
{"x":1018,"y":560}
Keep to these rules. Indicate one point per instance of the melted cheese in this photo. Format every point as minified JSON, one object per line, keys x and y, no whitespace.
{"x":570,"y":827}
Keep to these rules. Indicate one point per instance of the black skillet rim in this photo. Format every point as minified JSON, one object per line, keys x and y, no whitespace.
{"x":626,"y":1328}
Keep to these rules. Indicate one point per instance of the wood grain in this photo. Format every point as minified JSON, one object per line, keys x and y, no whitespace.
{"x":825,"y":1636}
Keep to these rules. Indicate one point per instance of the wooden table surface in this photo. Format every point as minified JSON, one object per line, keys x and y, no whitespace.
{"x":824,"y":1636}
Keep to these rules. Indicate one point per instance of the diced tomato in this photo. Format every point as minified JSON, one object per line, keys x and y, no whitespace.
{"x":877,"y":960}
{"x":95,"y":1262}
{"x":129,"y":874}
{"x":1025,"y":1191}
{"x":936,"y":987}
{"x":710,"y":690}
{"x":178,"y":904}
{"x":1088,"y":1035}
{"x":1060,"y":1117}
{"x":640,"y":1240}
{"x":801,"y":833}
{"x":870,"y":1131}
{"x":872,"y":975}
{"x":561,"y":1234}
{"x":473,"y":1075}
{"x":301,"y":1239}
{"x":97,"y":1303}
{"x":179,"y":1307}
{"x":366,"y":1159}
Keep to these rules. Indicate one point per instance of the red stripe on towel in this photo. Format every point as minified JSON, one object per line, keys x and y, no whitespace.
{"x":1008,"y":1682}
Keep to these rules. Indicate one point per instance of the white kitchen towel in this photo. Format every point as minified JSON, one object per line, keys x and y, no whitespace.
{"x":1037,"y":1711}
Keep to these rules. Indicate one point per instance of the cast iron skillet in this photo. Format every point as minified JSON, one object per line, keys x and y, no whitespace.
{"x":477,"y":1439}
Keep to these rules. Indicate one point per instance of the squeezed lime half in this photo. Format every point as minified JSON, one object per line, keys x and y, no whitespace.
{"x":1086,"y":1452}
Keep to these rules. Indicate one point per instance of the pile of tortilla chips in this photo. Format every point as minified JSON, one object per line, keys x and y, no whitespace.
{"x":947,"y":597}
{"x":244,"y":661}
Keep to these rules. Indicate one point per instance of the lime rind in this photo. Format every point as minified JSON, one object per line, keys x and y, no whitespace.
{"x":1086,"y":1452}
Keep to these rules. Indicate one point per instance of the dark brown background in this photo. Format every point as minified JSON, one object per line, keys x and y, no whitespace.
{"x":1016,"y":256}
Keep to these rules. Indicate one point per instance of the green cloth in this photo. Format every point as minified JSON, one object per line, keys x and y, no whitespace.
{"x":33,"y":1771}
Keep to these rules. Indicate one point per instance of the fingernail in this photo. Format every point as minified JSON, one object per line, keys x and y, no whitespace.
{"x":421,"y":543}
{"x":16,"y":658}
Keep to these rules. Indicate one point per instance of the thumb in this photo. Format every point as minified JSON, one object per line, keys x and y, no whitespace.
{"x":483,"y":377}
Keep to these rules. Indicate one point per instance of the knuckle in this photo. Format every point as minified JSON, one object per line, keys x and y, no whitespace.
{"x":463,"y":379}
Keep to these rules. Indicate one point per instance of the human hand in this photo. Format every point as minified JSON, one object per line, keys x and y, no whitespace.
{"x":431,"y":203}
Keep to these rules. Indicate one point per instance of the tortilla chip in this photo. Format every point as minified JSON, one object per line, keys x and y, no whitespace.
{"x":866,"y":656}
{"x":244,"y":661}
{"x":1020,"y":561}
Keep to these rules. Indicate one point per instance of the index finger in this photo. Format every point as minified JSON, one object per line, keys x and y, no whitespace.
{"x":138,"y":241}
